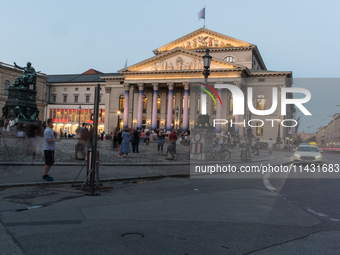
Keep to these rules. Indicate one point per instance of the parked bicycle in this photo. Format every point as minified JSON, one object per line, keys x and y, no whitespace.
{"x":213,"y":153}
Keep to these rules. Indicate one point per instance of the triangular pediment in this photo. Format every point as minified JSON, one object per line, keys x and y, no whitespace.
{"x":178,"y":59}
{"x":203,"y":38}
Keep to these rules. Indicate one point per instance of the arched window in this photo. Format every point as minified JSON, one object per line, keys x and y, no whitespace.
{"x":145,"y":100}
{"x":231,"y":104}
{"x":173,"y":104}
{"x":260,"y":101}
{"x":121,"y":103}
{"x":6,"y":85}
{"x":159,"y":104}
{"x":230,"y":59}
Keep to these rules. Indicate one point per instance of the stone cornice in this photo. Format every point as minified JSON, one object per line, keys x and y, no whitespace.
{"x":214,"y":50}
{"x":264,"y":73}
{"x":184,"y":71}
{"x":108,"y":78}
{"x":76,"y":84}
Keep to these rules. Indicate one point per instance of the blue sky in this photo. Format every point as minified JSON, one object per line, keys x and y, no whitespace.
{"x":63,"y":37}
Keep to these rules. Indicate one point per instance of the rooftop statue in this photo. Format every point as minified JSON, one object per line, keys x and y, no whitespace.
{"x":28,"y":77}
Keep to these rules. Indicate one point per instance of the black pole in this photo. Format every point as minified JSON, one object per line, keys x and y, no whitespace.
{"x":94,"y":140}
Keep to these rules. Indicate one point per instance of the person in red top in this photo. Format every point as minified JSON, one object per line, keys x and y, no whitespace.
{"x":173,"y":139}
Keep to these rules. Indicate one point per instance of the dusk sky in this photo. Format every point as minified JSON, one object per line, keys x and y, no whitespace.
{"x":65,"y":37}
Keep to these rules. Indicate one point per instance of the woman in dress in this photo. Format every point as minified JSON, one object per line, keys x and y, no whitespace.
{"x":125,"y":146}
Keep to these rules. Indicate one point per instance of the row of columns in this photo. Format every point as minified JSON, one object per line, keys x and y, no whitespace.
{"x":171,"y":86}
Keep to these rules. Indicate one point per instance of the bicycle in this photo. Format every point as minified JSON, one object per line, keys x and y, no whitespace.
{"x":211,"y":153}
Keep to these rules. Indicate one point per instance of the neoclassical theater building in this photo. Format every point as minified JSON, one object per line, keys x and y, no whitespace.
{"x":163,"y":90}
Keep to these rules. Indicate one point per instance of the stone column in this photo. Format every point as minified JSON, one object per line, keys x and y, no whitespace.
{"x":154,"y":106}
{"x":203,"y":101}
{"x":140,"y":106}
{"x":186,"y":106}
{"x":170,"y":98}
{"x":126,"y":105}
{"x":107,"y":127}
{"x":237,"y":117}
{"x":219,"y":111}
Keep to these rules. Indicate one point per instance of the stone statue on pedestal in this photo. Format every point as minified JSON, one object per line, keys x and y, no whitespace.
{"x":21,"y":104}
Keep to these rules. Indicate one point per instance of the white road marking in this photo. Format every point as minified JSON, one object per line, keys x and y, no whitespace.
{"x":267,"y":183}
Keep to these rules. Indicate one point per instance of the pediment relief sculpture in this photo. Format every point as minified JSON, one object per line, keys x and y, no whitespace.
{"x":177,"y":63}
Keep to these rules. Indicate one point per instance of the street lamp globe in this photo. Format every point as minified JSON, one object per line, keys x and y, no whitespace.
{"x":207,"y":59}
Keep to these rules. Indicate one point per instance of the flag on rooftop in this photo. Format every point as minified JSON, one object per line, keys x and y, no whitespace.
{"x":201,"y":14}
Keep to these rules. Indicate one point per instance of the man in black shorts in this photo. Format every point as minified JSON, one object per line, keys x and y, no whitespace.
{"x":49,"y":148}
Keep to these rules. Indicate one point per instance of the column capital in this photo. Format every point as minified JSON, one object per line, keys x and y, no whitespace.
{"x":155,"y":86}
{"x":140,"y":86}
{"x":171,"y":85}
{"x":126,"y":86}
{"x":186,"y":85}
{"x":107,"y":89}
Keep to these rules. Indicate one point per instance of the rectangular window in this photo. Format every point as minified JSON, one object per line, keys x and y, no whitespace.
{"x":259,"y":130}
{"x":87,"y":99}
{"x":86,"y":115}
{"x":54,"y":98}
{"x":103,"y":116}
{"x":82,"y":115}
{"x":54,"y":116}
{"x":64,"y":99}
{"x":58,"y":114}
{"x":54,"y":89}
{"x":76,"y":99}
{"x":76,"y":89}
{"x":74,"y":115}
{"x":88,"y":88}
{"x":70,"y":115}
{"x":62,"y":117}
{"x":65,"y":89}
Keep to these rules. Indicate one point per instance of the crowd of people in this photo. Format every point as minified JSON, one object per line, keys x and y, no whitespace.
{"x":127,"y":138}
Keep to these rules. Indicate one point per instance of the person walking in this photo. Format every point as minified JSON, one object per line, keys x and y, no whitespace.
{"x":119,"y":138}
{"x":173,"y":139}
{"x":147,"y":137}
{"x":160,"y":142}
{"x":125,"y":146}
{"x":270,"y":146}
{"x":135,"y":142}
{"x":49,"y":148}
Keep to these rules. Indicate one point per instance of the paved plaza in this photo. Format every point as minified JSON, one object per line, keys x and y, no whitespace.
{"x":19,"y":151}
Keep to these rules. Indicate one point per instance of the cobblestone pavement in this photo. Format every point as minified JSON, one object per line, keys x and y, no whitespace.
{"x":20,"y":151}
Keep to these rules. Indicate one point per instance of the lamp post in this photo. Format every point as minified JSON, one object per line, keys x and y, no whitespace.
{"x":278,"y":139}
{"x":79,"y":116}
{"x":203,"y":118}
{"x":177,"y":126}
{"x":118,"y":112}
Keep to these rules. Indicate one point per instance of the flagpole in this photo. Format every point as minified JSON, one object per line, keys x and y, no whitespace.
{"x":204,"y":16}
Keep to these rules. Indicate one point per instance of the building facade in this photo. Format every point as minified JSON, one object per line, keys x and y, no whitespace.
{"x":164,"y":91}
{"x":329,"y":135}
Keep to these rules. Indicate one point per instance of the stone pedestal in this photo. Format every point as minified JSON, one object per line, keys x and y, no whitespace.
{"x":200,"y":137}
{"x":21,"y":104}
